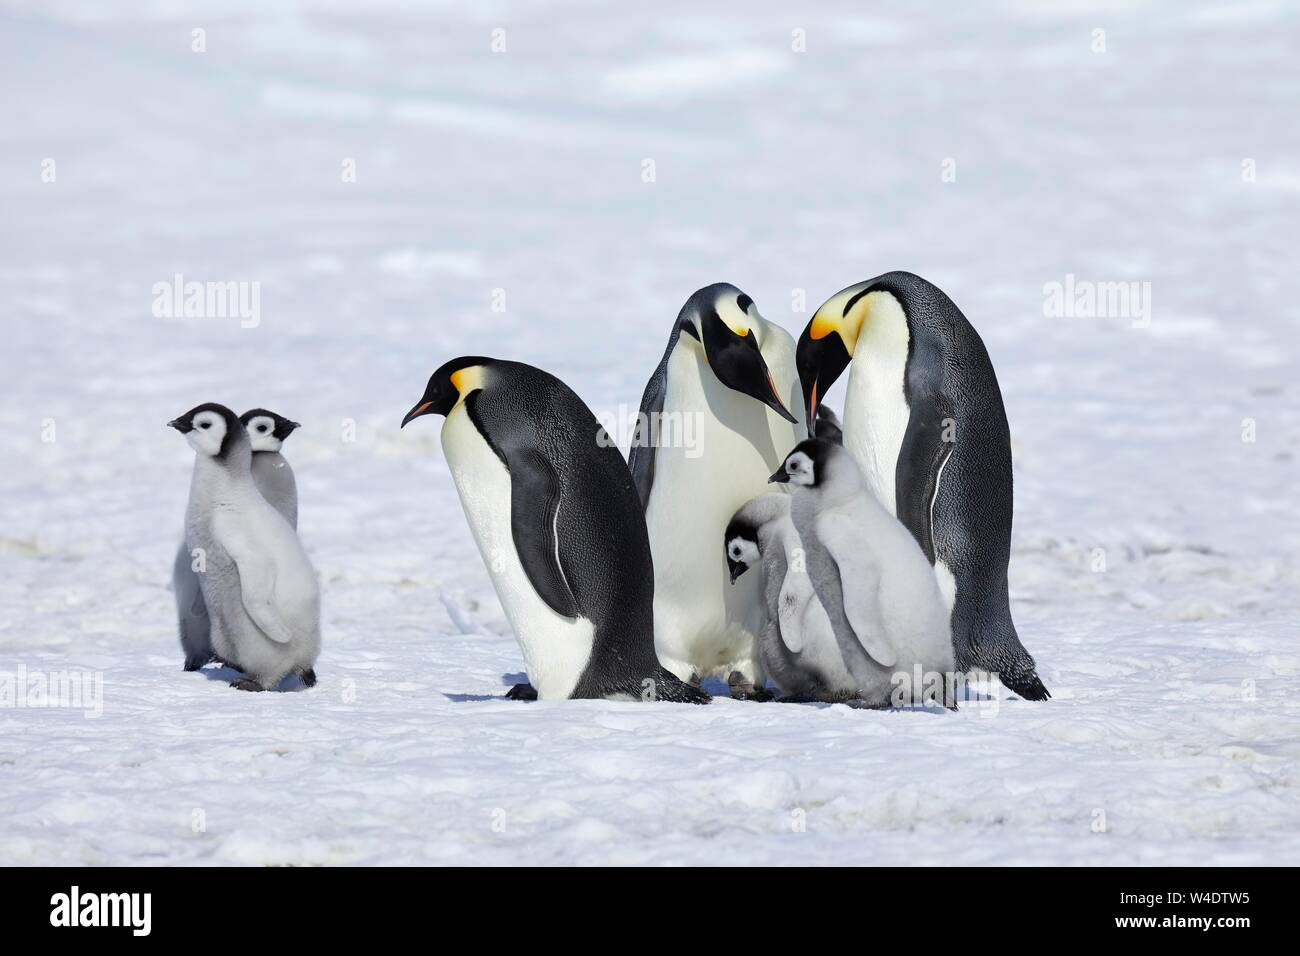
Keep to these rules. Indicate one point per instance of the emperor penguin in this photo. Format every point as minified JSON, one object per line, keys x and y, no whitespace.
{"x":797,"y":646}
{"x":267,"y":432}
{"x":877,"y":588}
{"x":558,"y":523}
{"x":924,"y":419}
{"x":259,"y":588}
{"x":715,"y":420}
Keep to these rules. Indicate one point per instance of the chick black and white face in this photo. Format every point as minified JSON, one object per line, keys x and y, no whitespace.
{"x":742,"y":554}
{"x":267,"y":430}
{"x":207,"y":432}
{"x":800,"y":469}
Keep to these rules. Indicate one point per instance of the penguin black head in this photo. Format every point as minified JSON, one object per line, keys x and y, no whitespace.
{"x":726,"y":319}
{"x":741,"y":544}
{"x":828,"y":342}
{"x":267,"y":430}
{"x":208,"y":428}
{"x":449,"y":385}
{"x":808,"y":464}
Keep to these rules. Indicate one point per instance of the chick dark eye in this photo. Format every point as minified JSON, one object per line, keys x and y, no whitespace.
{"x":261,"y":428}
{"x":206,"y":425}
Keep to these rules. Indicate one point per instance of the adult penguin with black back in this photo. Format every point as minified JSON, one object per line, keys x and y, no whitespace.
{"x":924,"y":419}
{"x":559,"y":525}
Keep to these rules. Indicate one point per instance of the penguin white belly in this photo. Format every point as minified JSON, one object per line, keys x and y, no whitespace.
{"x":555,"y":648}
{"x":704,"y":625}
{"x":875,"y":418}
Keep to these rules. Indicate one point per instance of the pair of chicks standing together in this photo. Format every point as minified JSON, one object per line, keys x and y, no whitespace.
{"x":609,"y":571}
{"x":246,"y":593}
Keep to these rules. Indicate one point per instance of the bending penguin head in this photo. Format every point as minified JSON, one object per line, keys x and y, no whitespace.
{"x":449,"y":386}
{"x":722,"y":319}
{"x":741,"y":544}
{"x":210,"y":429}
{"x":831,"y":338}
{"x":267,"y":430}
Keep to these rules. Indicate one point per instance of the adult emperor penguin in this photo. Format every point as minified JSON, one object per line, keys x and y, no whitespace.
{"x":558,"y":523}
{"x":259,"y":587}
{"x":267,"y":432}
{"x":924,"y":418}
{"x":876,"y":587}
{"x":797,"y":646}
{"x":714,"y":422}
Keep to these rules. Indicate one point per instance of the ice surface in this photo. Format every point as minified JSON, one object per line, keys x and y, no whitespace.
{"x":1175,"y":670}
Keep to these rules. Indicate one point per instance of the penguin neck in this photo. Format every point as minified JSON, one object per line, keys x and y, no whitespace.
{"x":842,"y":484}
{"x":225,"y":475}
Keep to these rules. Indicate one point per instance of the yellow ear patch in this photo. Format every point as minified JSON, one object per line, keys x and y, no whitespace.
{"x":832,"y":318}
{"x":466,"y":380}
{"x":733,"y":318}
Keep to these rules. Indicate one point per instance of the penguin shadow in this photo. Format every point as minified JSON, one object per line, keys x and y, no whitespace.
{"x":507,"y":680}
{"x":225,"y":674}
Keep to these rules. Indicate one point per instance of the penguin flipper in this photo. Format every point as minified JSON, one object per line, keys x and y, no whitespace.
{"x":256,"y":581}
{"x":534,"y":505}
{"x":860,"y":587}
{"x":921,"y":458}
{"x":641,"y":456}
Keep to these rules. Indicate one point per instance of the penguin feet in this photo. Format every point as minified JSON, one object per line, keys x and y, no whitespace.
{"x":246,"y":683}
{"x":799,"y":699}
{"x":742,"y":688}
{"x":1025,"y":684}
{"x":522,"y":692}
{"x":197,"y":662}
{"x":308,"y":677}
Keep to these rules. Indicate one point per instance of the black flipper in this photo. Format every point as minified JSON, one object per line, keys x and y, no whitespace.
{"x":920,"y":458}
{"x":534,"y":501}
{"x":641,"y":457}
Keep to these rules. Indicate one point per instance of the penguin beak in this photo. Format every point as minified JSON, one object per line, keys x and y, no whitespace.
{"x":736,"y":569}
{"x":181,"y":425}
{"x":423,"y":407}
{"x":774,"y":401}
{"x":291,"y":426}
{"x":780,"y":476}
{"x":821,"y":358}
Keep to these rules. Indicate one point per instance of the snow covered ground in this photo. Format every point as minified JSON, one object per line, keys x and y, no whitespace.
{"x":995,"y":151}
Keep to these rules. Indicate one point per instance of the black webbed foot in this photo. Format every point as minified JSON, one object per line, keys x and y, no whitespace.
{"x":522,"y":692}
{"x":246,"y":683}
{"x":308,"y":677}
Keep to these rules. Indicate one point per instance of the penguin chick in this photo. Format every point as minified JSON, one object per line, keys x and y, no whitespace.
{"x":258,"y":585}
{"x":874,"y":582}
{"x":274,"y":478}
{"x":797,"y":645}
{"x":267,"y":432}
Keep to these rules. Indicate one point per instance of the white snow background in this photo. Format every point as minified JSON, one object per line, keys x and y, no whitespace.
{"x":1154,"y":572}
